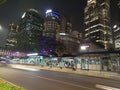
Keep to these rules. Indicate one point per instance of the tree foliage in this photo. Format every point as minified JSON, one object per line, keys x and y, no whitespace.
{"x":60,"y":48}
{"x":2,"y":1}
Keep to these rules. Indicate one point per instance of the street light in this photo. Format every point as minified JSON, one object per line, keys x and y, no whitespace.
{"x":84,"y":48}
{"x":115,"y":26}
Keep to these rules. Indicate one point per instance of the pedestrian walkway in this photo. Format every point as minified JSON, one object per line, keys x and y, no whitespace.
{"x":110,"y":75}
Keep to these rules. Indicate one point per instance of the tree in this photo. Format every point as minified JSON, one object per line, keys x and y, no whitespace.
{"x":2,"y":1}
{"x":47,"y":45}
{"x":60,"y":48}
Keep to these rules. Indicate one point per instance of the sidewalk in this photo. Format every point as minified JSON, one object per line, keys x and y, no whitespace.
{"x":109,"y":75}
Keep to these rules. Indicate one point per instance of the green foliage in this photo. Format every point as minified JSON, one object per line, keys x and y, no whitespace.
{"x":60,"y":48}
{"x":2,"y":1}
{"x":7,"y":86}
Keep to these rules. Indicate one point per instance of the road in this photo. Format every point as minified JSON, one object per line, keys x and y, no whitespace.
{"x":51,"y":80}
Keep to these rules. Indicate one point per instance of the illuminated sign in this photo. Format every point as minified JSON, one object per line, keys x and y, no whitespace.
{"x":84,"y":47}
{"x":63,"y":34}
{"x":32,"y":54}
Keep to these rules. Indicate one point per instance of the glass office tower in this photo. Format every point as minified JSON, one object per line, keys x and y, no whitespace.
{"x":30,"y":31}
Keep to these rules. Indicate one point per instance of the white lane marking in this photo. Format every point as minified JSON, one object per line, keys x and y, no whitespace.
{"x":25,"y":68}
{"x":67,"y":83}
{"x":106,"y":87}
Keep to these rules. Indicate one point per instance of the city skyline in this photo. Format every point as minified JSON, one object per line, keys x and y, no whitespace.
{"x":13,"y":10}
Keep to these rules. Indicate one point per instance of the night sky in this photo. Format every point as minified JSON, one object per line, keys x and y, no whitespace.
{"x":12,"y":10}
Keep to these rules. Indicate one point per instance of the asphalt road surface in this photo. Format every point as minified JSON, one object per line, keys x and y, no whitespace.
{"x":51,"y":80}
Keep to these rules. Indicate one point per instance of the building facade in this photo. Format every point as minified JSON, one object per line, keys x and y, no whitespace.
{"x":51,"y":27}
{"x":70,"y":38}
{"x":117,"y":37}
{"x":97,"y":23}
{"x":51,"y":24}
{"x":71,"y":41}
{"x":116,"y":30}
{"x":65,"y":24}
{"x":30,"y":31}
{"x":11,"y":41}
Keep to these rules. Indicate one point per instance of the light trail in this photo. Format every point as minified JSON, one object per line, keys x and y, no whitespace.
{"x":25,"y":68}
{"x":106,"y":87}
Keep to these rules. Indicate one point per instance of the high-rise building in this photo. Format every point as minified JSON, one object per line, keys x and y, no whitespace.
{"x":30,"y":31}
{"x":97,"y":23}
{"x":65,"y":25}
{"x":70,"y":38}
{"x":51,"y":24}
{"x":12,"y":37}
{"x":51,"y":27}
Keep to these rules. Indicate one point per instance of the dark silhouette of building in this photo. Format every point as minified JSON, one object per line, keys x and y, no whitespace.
{"x":11,"y":41}
{"x":119,"y":3}
{"x":65,"y":24}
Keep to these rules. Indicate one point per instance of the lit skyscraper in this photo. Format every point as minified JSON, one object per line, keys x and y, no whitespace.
{"x":30,"y":31}
{"x":51,"y":27}
{"x":51,"y":24}
{"x":97,"y":23}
